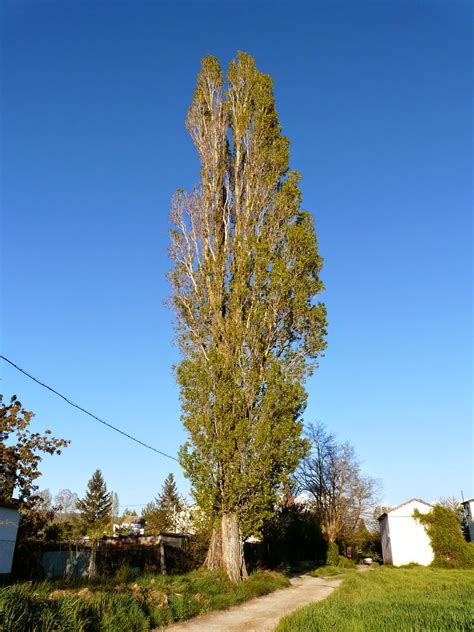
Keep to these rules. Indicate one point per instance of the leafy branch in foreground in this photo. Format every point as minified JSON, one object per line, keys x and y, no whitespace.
{"x":21,"y":452}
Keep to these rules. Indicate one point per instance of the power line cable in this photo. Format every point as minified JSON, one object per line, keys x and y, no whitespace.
{"x":105,"y":423}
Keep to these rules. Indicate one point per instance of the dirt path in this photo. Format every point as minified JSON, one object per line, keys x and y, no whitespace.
{"x":263,"y":613}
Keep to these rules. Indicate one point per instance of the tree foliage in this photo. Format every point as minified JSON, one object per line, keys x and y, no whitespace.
{"x":169,"y":499}
{"x":450,"y":502}
{"x":160,"y":514}
{"x":245,"y":276}
{"x":115,"y":505}
{"x":21,"y":452}
{"x":292,"y":536}
{"x":96,"y":506}
{"x":342,"y":496}
{"x":66,"y":501}
{"x":444,"y":529}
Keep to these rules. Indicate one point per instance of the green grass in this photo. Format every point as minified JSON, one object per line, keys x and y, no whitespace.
{"x":332,"y":571}
{"x":124,"y":606}
{"x":403,"y":600}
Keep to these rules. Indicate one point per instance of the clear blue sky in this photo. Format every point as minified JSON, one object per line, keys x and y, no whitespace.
{"x":376,"y":100}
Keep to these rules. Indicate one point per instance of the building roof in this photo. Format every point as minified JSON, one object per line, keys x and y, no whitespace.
{"x":13,"y":503}
{"x":418,"y":500}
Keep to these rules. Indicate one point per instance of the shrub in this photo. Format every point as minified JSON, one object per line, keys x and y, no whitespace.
{"x":450,"y":549}
{"x":332,"y":555}
{"x":343,"y":562}
{"x":292,"y":536}
{"x":126,"y":574}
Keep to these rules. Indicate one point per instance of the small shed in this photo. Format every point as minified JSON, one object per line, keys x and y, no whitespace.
{"x":9,"y":519}
{"x":404,"y":539}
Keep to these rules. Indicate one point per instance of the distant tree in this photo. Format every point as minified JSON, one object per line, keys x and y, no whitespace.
{"x":160,"y":514}
{"x":44,"y":500}
{"x":36,"y":517}
{"x":342,"y":497}
{"x":155,"y":519}
{"x":127,"y":513}
{"x":115,"y":506}
{"x":95,"y":508}
{"x":450,"y":502}
{"x":169,"y":500}
{"x":66,"y":501}
{"x":364,"y":541}
{"x":292,"y":534}
{"x":21,"y":452}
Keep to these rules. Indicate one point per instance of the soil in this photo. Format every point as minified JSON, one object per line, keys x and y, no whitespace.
{"x":263,"y":613}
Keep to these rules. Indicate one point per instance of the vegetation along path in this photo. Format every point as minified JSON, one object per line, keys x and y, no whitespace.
{"x":263,"y":613}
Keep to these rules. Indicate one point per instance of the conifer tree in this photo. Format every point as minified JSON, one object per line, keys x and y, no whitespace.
{"x":96,"y":506}
{"x":244,"y":278}
{"x":160,"y":514}
{"x":169,"y":500}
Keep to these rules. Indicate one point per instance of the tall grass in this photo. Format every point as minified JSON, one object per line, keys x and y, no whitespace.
{"x":33,"y":608}
{"x":124,"y":606}
{"x":414,"y":600}
{"x":176,"y":598}
{"x":331,"y":571}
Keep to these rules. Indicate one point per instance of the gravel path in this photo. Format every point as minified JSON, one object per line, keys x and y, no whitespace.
{"x":263,"y":613}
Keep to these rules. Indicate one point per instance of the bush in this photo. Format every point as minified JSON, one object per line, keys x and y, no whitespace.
{"x":126,"y":574}
{"x":292,"y":536}
{"x":343,"y":562}
{"x":450,"y":549}
{"x":332,"y":555}
{"x":197,"y":544}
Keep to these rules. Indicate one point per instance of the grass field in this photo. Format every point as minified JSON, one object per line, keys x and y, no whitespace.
{"x":391,"y":599}
{"x":332,"y":571}
{"x":124,"y":606}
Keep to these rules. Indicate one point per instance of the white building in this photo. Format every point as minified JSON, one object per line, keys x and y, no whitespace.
{"x":468,"y":519}
{"x":404,"y":539}
{"x":9,"y":519}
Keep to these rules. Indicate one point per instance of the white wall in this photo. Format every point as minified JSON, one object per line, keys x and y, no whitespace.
{"x":385,"y":539}
{"x":9,"y":519}
{"x":409,"y":541}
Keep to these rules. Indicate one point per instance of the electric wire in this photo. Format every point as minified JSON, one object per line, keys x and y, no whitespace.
{"x":102,"y":421}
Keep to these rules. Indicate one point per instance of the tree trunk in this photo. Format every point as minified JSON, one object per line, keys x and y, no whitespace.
{"x":213,"y":559}
{"x":162,"y":558}
{"x":233,"y":548}
{"x":92,"y":568}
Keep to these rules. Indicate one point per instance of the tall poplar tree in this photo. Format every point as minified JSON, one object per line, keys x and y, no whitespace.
{"x":245,"y":276}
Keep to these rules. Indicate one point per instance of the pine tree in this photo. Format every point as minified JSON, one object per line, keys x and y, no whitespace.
{"x":160,"y":514}
{"x":245,"y":277}
{"x":96,"y":506}
{"x":169,"y":500}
